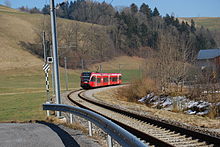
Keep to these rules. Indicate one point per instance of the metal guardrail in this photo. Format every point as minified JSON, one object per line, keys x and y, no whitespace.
{"x":119,"y":134}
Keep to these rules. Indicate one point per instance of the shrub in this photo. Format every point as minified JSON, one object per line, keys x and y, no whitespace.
{"x":137,"y":89}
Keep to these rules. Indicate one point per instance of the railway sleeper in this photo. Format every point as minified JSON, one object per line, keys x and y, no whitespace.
{"x":190,"y":143}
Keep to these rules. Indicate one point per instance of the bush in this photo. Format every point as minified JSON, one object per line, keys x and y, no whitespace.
{"x":137,"y":89}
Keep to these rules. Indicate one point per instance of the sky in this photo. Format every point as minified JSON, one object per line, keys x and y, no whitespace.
{"x":178,"y":8}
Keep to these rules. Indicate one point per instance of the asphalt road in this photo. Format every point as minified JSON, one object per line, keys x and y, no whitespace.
{"x":40,"y":134}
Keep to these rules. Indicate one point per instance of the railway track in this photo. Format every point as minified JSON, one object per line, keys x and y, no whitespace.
{"x":149,"y":130}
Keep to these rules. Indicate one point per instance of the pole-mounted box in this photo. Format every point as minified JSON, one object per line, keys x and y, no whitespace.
{"x":50,"y":60}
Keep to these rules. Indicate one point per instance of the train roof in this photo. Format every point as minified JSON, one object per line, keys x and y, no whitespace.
{"x":97,"y":73}
{"x":105,"y":73}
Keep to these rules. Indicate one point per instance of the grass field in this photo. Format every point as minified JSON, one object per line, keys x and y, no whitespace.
{"x":23,"y":93}
{"x":212,"y":23}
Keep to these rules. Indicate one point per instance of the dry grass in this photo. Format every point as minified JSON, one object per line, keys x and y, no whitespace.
{"x":137,"y":89}
{"x":125,"y":62}
{"x":13,"y":29}
{"x":211,"y":23}
{"x":75,"y":126}
{"x":110,"y":96}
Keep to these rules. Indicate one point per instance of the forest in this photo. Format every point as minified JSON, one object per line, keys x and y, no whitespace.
{"x":132,"y":31}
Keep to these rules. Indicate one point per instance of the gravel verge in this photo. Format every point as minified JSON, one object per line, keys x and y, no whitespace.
{"x":197,"y":123}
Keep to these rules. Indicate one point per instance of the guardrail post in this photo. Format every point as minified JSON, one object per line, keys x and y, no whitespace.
{"x":110,"y":141}
{"x":48,"y":112}
{"x":71,"y":118}
{"x":90,"y":128}
{"x":120,"y":135}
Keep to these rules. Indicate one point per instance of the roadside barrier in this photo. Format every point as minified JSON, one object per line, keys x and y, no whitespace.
{"x":114,"y":131}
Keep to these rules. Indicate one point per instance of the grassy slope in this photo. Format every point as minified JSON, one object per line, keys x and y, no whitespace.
{"x":212,"y":23}
{"x":130,"y":67}
{"x":13,"y":29}
{"x":22,"y":89}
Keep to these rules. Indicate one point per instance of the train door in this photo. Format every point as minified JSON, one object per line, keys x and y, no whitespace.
{"x":102,"y":81}
{"x":95,"y":80}
{"x":120,"y":79}
{"x":105,"y":80}
{"x":109,"y":80}
{"x":99,"y":83}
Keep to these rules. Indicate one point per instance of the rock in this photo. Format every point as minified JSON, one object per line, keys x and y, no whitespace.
{"x":203,"y":113}
{"x":167,"y":102}
{"x":190,"y":112}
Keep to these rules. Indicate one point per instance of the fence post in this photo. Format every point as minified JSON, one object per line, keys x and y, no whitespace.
{"x":48,"y":112}
{"x":71,"y":118}
{"x":90,"y":128}
{"x":110,"y":141}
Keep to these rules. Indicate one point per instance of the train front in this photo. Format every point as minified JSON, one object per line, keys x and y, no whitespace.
{"x":85,"y":78}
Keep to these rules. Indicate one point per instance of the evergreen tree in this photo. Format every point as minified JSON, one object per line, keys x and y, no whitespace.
{"x":143,"y":34}
{"x":46,"y":9}
{"x":192,"y":28}
{"x":134,"y":8}
{"x":35,"y":10}
{"x":145,"y":10}
{"x":167,"y":19}
{"x":176,"y":23}
{"x":63,"y":10}
{"x":155,"y":12}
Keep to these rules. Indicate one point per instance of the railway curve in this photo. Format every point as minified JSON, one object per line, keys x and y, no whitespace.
{"x":150,"y":130}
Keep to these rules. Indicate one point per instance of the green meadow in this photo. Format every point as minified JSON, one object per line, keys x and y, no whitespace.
{"x":22,"y":94}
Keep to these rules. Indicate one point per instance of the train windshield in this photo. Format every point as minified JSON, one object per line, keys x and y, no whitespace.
{"x":85,"y":76}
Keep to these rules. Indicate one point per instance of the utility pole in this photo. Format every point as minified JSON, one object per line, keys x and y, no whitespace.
{"x":44,"y":44}
{"x":52,"y":71}
{"x":55,"y":54}
{"x":66,"y":74}
{"x":100,"y":68}
{"x":82,"y":64}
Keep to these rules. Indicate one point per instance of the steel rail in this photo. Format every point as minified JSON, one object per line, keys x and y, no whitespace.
{"x":119,"y":134}
{"x":148,"y":138}
{"x":184,"y":131}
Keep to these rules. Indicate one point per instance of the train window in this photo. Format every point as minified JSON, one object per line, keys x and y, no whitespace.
{"x":84,"y":78}
{"x":98,"y":80}
{"x":114,"y":79}
{"x":119,"y":77}
{"x":93,"y":79}
{"x":86,"y":74}
{"x":105,"y":80}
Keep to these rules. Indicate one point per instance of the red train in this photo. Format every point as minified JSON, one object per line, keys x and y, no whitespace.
{"x":92,"y":79}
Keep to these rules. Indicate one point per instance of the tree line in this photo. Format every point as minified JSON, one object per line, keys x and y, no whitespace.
{"x":134,"y":30}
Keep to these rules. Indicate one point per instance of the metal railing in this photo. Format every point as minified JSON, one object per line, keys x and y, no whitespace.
{"x":119,"y":134}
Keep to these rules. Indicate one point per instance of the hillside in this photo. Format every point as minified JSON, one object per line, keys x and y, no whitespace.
{"x":212,"y":23}
{"x":17,"y":27}
{"x":13,"y":29}
{"x":122,"y":62}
